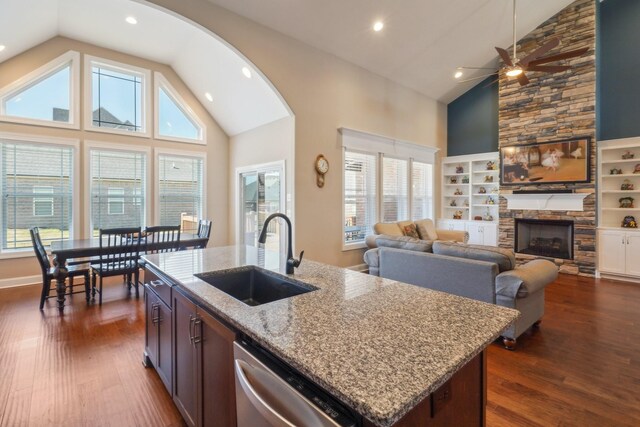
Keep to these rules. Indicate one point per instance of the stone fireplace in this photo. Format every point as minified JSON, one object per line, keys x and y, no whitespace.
{"x":553,"y":107}
{"x":545,"y":238}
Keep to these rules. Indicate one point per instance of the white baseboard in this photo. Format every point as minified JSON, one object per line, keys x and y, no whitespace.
{"x":360,"y":267}
{"x":13,"y":282}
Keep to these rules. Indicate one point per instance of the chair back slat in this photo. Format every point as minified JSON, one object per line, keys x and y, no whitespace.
{"x":166,"y":238}
{"x":119,"y":247}
{"x":41,"y":252}
{"x":204,"y":232}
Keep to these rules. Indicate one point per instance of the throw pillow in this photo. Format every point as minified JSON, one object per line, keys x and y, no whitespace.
{"x":411,"y":231}
{"x":426,"y":229}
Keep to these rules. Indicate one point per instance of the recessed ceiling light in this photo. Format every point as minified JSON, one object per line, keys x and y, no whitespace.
{"x":2,"y":47}
{"x":208,"y":96}
{"x":246,"y":72}
{"x":131,"y":20}
{"x":378,"y":26}
{"x":458,"y":74}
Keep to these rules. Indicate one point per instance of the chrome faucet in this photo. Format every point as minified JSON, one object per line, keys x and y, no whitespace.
{"x":291,"y":261}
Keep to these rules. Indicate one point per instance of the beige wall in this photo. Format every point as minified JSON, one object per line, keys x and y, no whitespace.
{"x":269,"y":143}
{"x":217,"y":147}
{"x":325,"y":93}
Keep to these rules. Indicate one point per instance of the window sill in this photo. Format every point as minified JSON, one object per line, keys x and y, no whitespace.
{"x":18,"y":253}
{"x":354,"y":246}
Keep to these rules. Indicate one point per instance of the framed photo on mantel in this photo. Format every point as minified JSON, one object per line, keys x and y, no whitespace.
{"x":556,"y":162}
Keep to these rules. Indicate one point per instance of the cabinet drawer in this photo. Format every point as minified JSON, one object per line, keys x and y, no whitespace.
{"x":160,"y":287}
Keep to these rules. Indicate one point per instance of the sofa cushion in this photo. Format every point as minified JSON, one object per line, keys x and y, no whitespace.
{"x":404,"y":242}
{"x":504,"y":258}
{"x":411,"y":231}
{"x":426,"y":229}
{"x":388,"y":228}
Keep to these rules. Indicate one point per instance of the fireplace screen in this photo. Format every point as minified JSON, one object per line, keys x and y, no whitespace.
{"x":547,"y":238}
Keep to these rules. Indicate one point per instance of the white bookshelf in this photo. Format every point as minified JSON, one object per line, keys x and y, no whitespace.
{"x":471,"y":202}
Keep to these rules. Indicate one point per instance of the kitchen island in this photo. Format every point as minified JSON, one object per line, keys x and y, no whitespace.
{"x":385,"y":349}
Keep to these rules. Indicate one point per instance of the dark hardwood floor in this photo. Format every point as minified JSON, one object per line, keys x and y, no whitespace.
{"x":581,"y":368}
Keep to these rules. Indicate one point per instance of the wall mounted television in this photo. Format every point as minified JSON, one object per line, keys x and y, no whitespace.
{"x":555,"y":162}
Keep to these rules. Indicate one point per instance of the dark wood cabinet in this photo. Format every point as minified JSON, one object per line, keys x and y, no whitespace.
{"x":204,"y":385}
{"x":158,"y":350}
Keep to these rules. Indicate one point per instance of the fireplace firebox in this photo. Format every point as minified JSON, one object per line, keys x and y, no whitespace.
{"x":546,"y":238}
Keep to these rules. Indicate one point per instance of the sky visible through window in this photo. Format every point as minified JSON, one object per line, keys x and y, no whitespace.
{"x":172,"y":120}
{"x":40,"y":100}
{"x":118,"y":97}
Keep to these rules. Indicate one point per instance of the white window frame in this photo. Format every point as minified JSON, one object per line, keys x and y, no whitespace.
{"x":115,"y":197}
{"x":145,"y":98}
{"x":381,"y":146}
{"x":157,"y":152}
{"x":161,"y":82}
{"x":74,"y":229}
{"x":90,"y":146}
{"x":40,"y":196}
{"x":38,"y":75}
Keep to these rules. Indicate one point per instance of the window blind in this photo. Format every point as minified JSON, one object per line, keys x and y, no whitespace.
{"x":118,"y":183}
{"x":181,"y":190}
{"x":360,"y":172}
{"x":422,"y":190}
{"x":37,"y":191}
{"x":395,"y":201}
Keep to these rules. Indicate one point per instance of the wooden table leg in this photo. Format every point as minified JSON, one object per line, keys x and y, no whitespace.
{"x":60,"y":273}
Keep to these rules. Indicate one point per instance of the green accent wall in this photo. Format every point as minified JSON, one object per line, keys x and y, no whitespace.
{"x":472,"y":120}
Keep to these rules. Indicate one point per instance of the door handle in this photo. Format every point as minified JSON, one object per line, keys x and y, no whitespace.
{"x":155,"y":307}
{"x":197,"y":339}
{"x":156,"y":283}
{"x":191,"y":323}
{"x":270,"y":414}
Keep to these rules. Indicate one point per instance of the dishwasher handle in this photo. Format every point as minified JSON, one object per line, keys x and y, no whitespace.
{"x":270,"y":414}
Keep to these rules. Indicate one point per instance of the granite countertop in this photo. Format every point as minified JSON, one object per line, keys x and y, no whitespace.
{"x":378,"y":345}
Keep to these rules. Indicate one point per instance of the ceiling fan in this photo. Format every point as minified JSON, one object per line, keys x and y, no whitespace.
{"x":535,"y":61}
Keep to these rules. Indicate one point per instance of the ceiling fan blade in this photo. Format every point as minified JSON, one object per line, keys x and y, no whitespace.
{"x":523,"y":79}
{"x":505,"y":56}
{"x":477,"y":78}
{"x":560,"y":56}
{"x":540,"y":51}
{"x":548,"y":68}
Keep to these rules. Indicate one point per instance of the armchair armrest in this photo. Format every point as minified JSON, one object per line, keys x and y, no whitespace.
{"x":370,"y":240}
{"x":453,"y":235}
{"x":526,"y":279}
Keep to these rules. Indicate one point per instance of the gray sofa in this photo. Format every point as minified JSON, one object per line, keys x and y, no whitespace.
{"x":484,"y":273}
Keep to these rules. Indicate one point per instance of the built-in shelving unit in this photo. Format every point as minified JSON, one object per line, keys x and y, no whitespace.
{"x":471,"y":202}
{"x":618,"y":246}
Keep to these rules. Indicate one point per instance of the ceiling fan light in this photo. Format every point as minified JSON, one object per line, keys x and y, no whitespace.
{"x":514,"y":72}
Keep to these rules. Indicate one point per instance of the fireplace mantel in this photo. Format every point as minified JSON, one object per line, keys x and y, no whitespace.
{"x":546,"y":201}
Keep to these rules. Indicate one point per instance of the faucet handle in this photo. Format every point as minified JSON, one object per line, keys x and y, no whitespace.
{"x":297,"y":262}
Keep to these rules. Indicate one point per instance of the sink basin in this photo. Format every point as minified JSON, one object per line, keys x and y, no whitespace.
{"x":255,"y":286}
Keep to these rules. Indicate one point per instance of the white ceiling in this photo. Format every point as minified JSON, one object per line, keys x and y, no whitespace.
{"x":239,"y":104}
{"x":422,"y":43}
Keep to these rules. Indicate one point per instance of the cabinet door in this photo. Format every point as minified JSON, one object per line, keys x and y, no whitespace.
{"x":151,"y":302}
{"x":476,"y":236}
{"x":490,"y":234}
{"x":611,"y":251}
{"x":633,"y":254}
{"x":217,"y":396}
{"x":185,"y":368}
{"x":164,"y":360}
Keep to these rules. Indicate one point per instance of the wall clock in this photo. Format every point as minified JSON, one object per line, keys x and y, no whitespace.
{"x":322,"y":167}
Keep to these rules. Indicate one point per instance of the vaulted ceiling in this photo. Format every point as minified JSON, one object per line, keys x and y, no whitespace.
{"x":422,"y":43}
{"x":239,"y":104}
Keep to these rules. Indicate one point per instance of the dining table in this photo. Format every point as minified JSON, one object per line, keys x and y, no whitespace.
{"x":89,"y":249}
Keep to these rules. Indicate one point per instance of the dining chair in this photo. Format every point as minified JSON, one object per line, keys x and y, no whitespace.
{"x":47,"y":270}
{"x":168,"y":236}
{"x":204,"y":231}
{"x":119,"y":253}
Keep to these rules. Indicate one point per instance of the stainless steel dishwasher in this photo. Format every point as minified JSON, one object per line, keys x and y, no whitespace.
{"x":270,"y":394}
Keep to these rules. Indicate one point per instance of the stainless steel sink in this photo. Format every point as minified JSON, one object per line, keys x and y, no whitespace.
{"x":255,"y":286}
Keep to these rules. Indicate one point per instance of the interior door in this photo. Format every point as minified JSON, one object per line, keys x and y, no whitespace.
{"x":633,"y":249}
{"x":261,"y":194}
{"x":611,"y":251}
